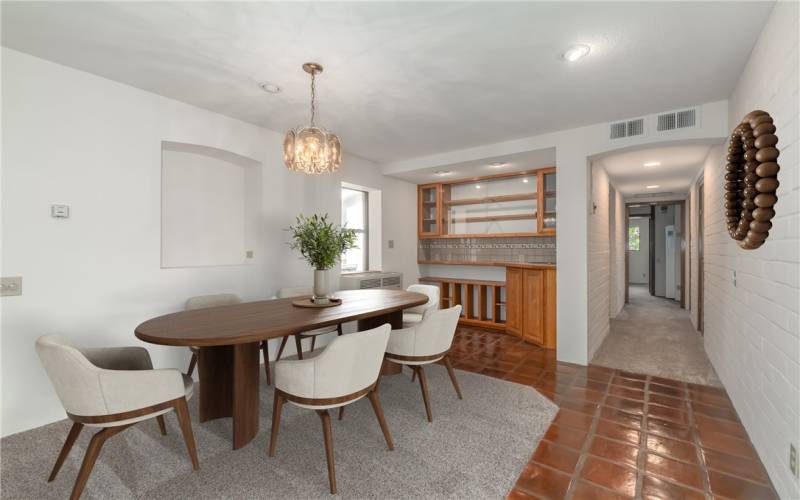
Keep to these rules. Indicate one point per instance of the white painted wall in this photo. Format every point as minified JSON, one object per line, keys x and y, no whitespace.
{"x":210,"y":206}
{"x":574,"y":149}
{"x":638,"y":261}
{"x":752,"y":328}
{"x":95,"y":145}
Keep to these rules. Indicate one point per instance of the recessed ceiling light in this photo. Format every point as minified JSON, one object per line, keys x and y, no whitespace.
{"x":525,"y":181}
{"x":653,"y":186}
{"x":498,"y":164}
{"x":442,"y":173}
{"x":576,"y":52}
{"x":270,"y":88}
{"x":477,"y":186}
{"x":653,"y":164}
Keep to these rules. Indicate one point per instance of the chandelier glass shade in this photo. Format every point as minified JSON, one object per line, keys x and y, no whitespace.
{"x":312,"y":149}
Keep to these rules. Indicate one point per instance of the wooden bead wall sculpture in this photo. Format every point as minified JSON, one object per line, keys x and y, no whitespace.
{"x":751,"y":179}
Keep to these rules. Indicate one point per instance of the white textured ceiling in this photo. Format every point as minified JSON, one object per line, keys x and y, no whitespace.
{"x":405,"y":79}
{"x":679,"y":165}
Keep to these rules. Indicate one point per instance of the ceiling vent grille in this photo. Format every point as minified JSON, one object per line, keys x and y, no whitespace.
{"x":651,"y":195}
{"x":629,"y":128}
{"x":674,"y":120}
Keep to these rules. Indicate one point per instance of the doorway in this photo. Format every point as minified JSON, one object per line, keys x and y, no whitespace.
{"x":656,"y":249}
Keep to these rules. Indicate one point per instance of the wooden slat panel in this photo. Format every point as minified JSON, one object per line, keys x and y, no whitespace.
{"x":482,"y":303}
{"x":469,"y":309}
{"x":514,"y":301}
{"x":550,"y":309}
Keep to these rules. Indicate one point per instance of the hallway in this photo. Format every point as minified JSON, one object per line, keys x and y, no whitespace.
{"x":654,"y":336}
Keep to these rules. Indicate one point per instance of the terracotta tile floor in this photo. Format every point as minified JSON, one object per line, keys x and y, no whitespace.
{"x":619,"y":434}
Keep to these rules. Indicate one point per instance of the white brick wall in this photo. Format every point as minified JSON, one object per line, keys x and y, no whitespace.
{"x":598,"y":261}
{"x":752,"y":329}
{"x":618,"y":246}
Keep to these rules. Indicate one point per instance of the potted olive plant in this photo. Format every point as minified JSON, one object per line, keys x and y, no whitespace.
{"x":321,"y":243}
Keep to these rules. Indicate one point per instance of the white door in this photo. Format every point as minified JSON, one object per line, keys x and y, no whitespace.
{"x":669,"y":259}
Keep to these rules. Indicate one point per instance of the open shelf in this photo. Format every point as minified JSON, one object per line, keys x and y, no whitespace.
{"x":491,"y":218}
{"x":491,"y":199}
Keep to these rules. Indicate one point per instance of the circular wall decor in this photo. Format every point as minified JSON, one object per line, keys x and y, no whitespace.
{"x":751,"y":180}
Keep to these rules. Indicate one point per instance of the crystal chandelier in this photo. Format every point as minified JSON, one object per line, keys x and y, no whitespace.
{"x":312,"y":149}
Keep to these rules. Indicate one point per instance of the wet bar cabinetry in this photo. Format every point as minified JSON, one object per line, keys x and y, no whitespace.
{"x":531,"y":304}
{"x":504,"y":205}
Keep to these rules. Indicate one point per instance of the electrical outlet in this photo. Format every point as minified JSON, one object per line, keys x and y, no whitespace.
{"x":10,"y":286}
{"x":793,"y":459}
{"x":734,"y":278}
{"x":391,"y":243}
{"x":249,"y":254}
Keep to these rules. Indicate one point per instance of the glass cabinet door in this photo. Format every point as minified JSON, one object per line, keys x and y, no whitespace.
{"x":429,"y":210}
{"x":549,"y":208}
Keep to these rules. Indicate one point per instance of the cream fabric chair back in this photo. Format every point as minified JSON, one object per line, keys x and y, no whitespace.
{"x":348,"y":364}
{"x":75,"y":379}
{"x":434,"y":334}
{"x":295,"y":291}
{"x":205,"y":301}
{"x":433,"y":298}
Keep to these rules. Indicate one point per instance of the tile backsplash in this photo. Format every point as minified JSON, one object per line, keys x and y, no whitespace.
{"x":525,"y":249}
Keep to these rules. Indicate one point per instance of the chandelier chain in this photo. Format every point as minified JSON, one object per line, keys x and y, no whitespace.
{"x":313,"y":97}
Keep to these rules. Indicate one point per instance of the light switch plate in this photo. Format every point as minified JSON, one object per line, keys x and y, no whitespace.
{"x":59,"y":211}
{"x":10,"y":286}
{"x":249,"y":254}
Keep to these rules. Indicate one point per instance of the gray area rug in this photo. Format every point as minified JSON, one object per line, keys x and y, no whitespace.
{"x":654,"y":336}
{"x":475,"y":448}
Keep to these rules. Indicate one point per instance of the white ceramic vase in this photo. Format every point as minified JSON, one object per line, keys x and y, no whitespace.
{"x":322,"y":286}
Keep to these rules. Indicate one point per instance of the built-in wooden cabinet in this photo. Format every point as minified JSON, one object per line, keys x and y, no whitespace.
{"x":531,"y":304}
{"x":502,"y":205}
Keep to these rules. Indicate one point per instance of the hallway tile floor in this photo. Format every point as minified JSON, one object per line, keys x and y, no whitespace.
{"x":620,"y":434}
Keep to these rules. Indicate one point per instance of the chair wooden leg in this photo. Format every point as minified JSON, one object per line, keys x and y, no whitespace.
{"x":182,"y":410}
{"x":376,"y":406}
{"x":277,"y":404}
{"x":313,"y":342}
{"x":92,"y":452}
{"x":341,"y":412}
{"x":192,"y":364}
{"x":299,"y":346}
{"x":162,"y":426}
{"x":452,"y":374}
{"x":74,"y":432}
{"x":265,"y":351}
{"x":423,"y":383}
{"x":413,"y":374}
{"x":280,"y":349}
{"x":339,"y":330}
{"x":328,"y":433}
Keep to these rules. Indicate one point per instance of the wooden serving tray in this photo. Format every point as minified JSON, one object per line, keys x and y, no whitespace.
{"x":307,"y":302}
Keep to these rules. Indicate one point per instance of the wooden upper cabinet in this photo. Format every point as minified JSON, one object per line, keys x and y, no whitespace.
{"x":429,"y":210}
{"x":502,"y":205}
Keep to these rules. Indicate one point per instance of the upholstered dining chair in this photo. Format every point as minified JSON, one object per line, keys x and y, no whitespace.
{"x":301,"y":291}
{"x":414,"y":315}
{"x":111,"y":389}
{"x":342,"y":373}
{"x":424,"y":343}
{"x":222,"y":299}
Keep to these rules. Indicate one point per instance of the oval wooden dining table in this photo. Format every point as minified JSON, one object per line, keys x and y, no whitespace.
{"x":228,"y":338}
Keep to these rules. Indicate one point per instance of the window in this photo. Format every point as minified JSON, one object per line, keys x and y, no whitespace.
{"x":354,"y":216}
{"x":633,"y":238}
